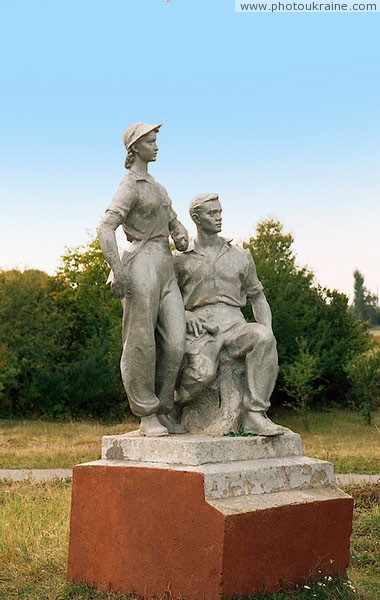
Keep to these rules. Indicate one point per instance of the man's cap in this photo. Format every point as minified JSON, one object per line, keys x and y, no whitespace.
{"x":201,"y":199}
{"x":135,"y":131}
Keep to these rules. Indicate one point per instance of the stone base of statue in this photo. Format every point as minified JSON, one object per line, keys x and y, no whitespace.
{"x":202,"y":517}
{"x":217,"y":410}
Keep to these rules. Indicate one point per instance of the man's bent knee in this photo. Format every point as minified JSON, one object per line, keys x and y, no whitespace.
{"x":264,"y":335}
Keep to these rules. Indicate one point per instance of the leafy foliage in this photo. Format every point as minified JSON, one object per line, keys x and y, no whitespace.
{"x":94,"y":347}
{"x":61,"y":336}
{"x":363,"y":371}
{"x":34,"y":333}
{"x":60,"y":340}
{"x":303,"y":310}
{"x":366,"y":305}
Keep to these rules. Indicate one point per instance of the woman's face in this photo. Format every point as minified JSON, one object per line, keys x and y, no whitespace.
{"x":146,"y":147}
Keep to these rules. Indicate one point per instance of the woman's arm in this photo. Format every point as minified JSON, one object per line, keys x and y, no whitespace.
{"x":115,"y":215}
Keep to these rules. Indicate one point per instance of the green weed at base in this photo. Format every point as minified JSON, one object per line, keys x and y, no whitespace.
{"x":240,"y":433}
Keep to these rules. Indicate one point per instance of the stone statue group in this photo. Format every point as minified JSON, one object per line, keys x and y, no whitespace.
{"x":182,"y":316}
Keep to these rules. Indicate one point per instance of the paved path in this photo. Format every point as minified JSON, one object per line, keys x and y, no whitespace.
{"x":356,"y":478}
{"x":37,"y":474}
{"x":45,"y":474}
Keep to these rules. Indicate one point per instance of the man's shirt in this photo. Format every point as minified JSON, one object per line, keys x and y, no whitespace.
{"x":142,"y":206}
{"x":229,"y":277}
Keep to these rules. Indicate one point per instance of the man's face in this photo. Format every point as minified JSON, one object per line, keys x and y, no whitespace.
{"x":209,"y":216}
{"x":146,"y":147}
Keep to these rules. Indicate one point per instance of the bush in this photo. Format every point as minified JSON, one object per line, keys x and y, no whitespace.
{"x":299,"y":381}
{"x":363,"y":371}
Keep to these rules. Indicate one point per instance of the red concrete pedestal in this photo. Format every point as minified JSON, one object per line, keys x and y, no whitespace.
{"x":151,"y":530}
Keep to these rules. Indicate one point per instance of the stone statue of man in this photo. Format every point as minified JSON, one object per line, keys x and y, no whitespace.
{"x":144,"y":280}
{"x":215,"y":279}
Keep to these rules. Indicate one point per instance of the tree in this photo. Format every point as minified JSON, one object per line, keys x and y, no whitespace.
{"x":365,"y":305}
{"x":60,"y":340}
{"x":93,"y":353}
{"x":33,"y":332}
{"x":61,"y":336}
{"x":303,"y":310}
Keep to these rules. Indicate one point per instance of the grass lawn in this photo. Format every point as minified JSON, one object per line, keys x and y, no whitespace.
{"x":34,"y":517}
{"x":339,"y":436}
{"x":365,"y":541}
{"x":34,"y":527}
{"x":27,"y":444}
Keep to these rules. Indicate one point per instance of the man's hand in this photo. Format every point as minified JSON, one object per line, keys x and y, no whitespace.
{"x":120,"y":287}
{"x":198,"y":325}
{"x":195,"y":325}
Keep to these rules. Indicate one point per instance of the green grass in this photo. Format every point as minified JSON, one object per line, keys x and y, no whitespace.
{"x":323,"y":589}
{"x":34,"y":527}
{"x":365,"y":542}
{"x":339,"y":436}
{"x":28,"y":444}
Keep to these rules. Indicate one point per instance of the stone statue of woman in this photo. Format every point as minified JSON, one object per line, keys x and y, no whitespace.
{"x":144,"y":280}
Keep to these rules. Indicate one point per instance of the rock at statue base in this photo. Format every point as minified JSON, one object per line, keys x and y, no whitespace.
{"x":218,"y":408}
{"x":201,"y":517}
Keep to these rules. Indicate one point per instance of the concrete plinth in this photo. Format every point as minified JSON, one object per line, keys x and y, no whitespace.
{"x":198,"y":449}
{"x":206,"y":529}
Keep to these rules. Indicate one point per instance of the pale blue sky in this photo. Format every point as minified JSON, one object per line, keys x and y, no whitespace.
{"x":278,"y":113}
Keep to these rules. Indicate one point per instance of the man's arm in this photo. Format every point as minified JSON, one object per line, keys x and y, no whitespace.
{"x":254,"y":290}
{"x":261,"y":310}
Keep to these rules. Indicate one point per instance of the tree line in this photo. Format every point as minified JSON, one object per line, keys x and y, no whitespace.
{"x":60,"y":337}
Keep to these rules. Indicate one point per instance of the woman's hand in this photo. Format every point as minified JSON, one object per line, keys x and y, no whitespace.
{"x":181,"y":243}
{"x":121,"y":287}
{"x":179,"y":235}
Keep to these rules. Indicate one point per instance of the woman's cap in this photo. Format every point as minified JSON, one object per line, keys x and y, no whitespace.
{"x":135,"y":131}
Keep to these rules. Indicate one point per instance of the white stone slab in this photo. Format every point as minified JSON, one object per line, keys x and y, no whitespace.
{"x":266,"y":476}
{"x":249,"y":503}
{"x":198,"y":449}
{"x":249,"y":477}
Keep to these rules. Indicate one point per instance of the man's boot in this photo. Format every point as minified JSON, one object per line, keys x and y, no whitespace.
{"x":171,"y":424}
{"x":259,"y":423}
